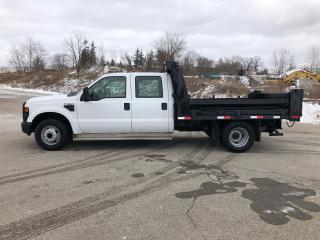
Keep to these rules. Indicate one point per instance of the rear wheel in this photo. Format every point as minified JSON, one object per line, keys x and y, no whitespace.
{"x":238,"y":136}
{"x":52,"y":134}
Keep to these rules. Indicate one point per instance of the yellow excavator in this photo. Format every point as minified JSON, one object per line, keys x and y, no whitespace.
{"x":292,"y":76}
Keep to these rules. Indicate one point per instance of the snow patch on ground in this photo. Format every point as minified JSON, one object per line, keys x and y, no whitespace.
{"x":18,"y":89}
{"x":283,"y":210}
{"x":71,"y":85}
{"x":268,"y":211}
{"x":208,"y":91}
{"x":310,"y":113}
{"x":287,"y":209}
{"x":244,"y":80}
{"x":68,"y":85}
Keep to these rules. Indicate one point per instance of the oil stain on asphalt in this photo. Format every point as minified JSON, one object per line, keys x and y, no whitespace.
{"x":210,"y":188}
{"x":276,"y":202}
{"x":137,"y":175}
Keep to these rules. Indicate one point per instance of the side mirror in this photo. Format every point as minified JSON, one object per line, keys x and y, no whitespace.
{"x":85,"y":94}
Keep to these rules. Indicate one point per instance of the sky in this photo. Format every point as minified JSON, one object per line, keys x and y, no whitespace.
{"x":214,"y":28}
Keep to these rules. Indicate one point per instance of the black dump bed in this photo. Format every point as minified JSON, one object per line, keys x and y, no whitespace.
{"x":256,"y":105}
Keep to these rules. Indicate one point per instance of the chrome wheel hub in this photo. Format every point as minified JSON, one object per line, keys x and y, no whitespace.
{"x":239,"y":137}
{"x":50,"y":135}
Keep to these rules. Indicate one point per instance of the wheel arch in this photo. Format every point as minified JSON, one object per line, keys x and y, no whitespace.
{"x":47,"y":115}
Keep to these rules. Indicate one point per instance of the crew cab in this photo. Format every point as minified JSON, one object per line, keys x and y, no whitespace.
{"x":152,"y":105}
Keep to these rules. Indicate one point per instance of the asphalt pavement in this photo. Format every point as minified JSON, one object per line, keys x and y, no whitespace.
{"x":179,"y":189}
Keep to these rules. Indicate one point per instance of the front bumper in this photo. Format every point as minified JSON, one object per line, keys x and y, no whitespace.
{"x":26,"y":127}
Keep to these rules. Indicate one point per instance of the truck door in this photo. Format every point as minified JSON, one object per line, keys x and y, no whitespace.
{"x":149,"y":102}
{"x":109,"y":108}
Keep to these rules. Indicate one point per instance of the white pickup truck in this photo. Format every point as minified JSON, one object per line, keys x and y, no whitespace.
{"x":152,"y":105}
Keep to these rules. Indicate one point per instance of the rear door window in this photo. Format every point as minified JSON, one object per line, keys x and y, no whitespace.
{"x":149,"y":87}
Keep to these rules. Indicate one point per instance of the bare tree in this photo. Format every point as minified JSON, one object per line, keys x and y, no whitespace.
{"x":292,"y":62}
{"x":28,"y":49}
{"x":204,"y":62}
{"x":75,"y":44}
{"x":228,"y":65}
{"x":126,"y":58}
{"x":250,"y":63}
{"x":34,"y":54}
{"x":169,"y":47}
{"x":189,"y":62}
{"x":313,"y":58}
{"x":281,"y":60}
{"x":59,"y":61}
{"x":29,"y":56}
{"x":16,"y":59}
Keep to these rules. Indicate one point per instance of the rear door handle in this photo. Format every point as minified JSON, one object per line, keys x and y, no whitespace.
{"x":126,"y":106}
{"x":164,"y":106}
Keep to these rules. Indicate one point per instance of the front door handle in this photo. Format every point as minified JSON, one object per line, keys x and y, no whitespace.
{"x":126,"y":106}
{"x":164,"y":106}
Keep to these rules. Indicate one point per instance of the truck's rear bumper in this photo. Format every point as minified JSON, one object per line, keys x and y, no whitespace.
{"x":26,"y":127}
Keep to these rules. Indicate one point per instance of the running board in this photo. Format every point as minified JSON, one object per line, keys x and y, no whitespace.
{"x":122,"y":136}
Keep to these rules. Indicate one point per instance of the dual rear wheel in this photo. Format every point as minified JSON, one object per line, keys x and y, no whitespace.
{"x":236,"y":136}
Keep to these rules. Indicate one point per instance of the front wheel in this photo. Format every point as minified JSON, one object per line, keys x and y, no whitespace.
{"x":238,"y":137}
{"x":51,"y":134}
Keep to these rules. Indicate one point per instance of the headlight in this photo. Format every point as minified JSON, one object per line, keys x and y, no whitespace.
{"x":25,"y":109}
{"x":25,"y":112}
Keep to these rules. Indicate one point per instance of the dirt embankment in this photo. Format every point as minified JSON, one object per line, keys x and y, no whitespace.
{"x":228,"y":86}
{"x":50,"y":80}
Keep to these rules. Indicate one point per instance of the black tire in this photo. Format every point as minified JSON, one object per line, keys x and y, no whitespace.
{"x":52,"y":134}
{"x":238,"y":137}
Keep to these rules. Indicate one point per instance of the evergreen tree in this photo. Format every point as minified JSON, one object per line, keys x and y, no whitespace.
{"x":84,"y":59}
{"x":112,"y":64}
{"x":141,"y":58}
{"x":92,"y":54}
{"x":136,"y":58}
{"x":150,"y":61}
